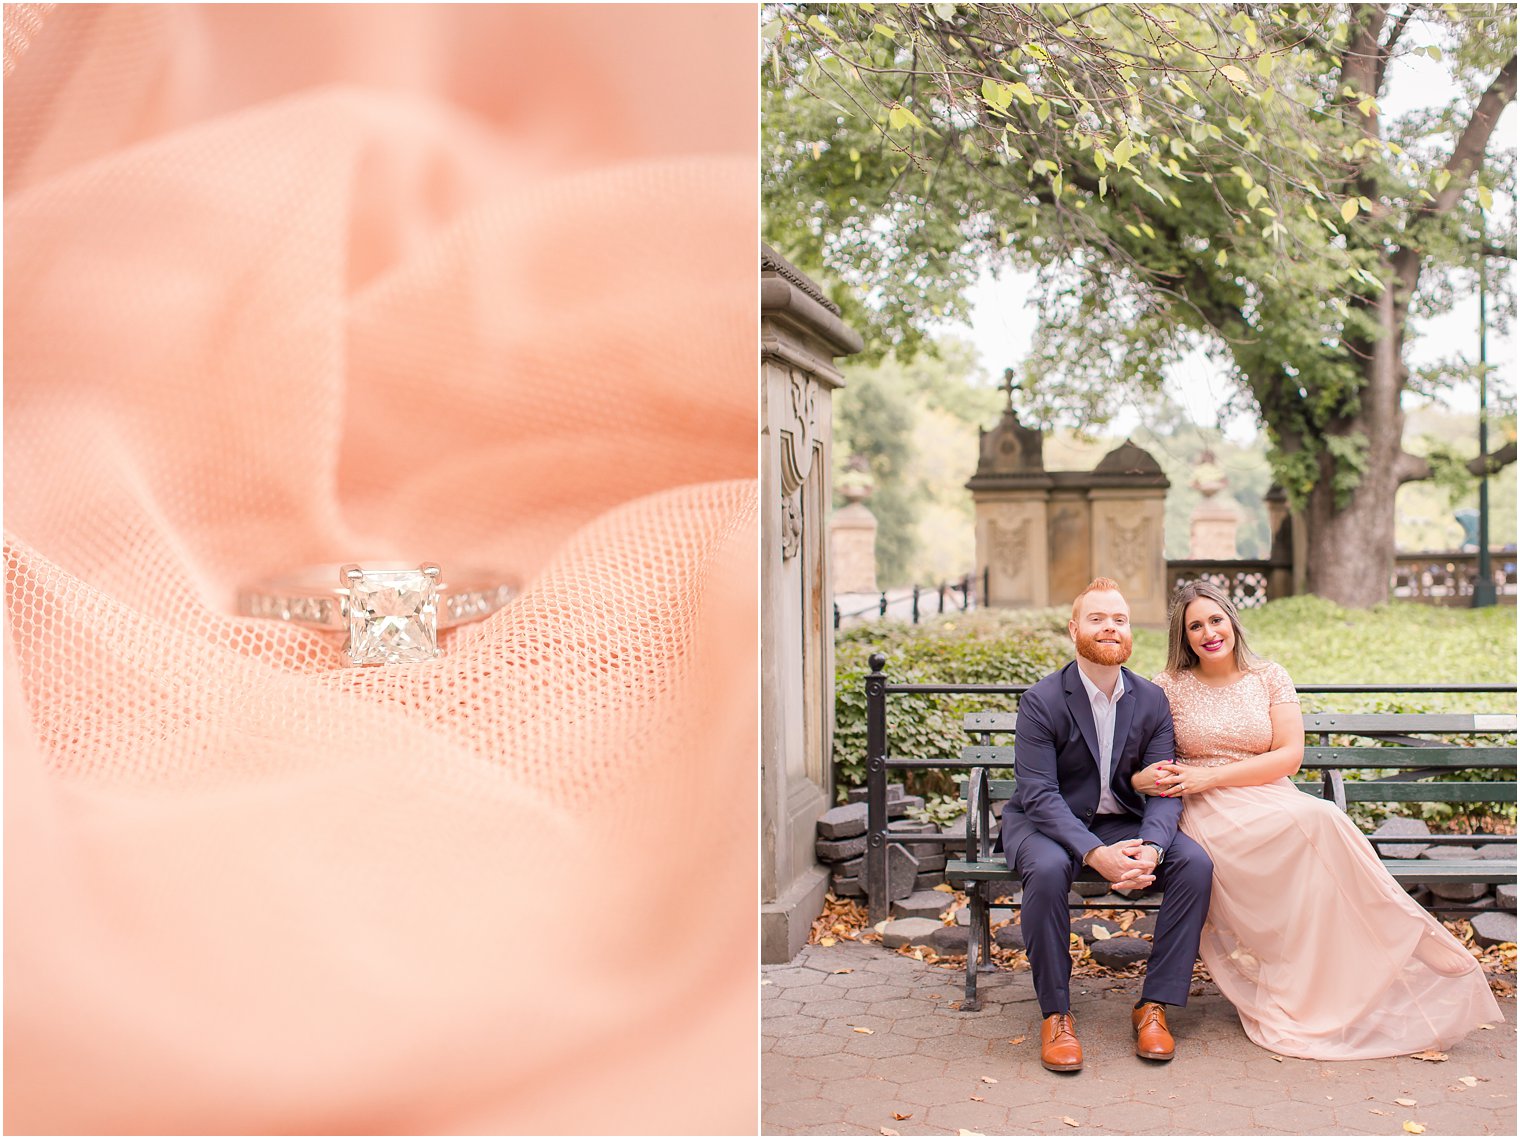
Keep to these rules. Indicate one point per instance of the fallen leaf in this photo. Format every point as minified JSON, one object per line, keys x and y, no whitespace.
{"x":866,"y":1031}
{"x":1279,"y":1059}
{"x":1100,"y":932}
{"x":1069,"y":1121}
{"x":1017,"y":1040}
{"x":979,"y":1098}
{"x":963,"y":1131}
{"x":900,"y":1115}
{"x":945,"y":888}
{"x":837,"y":972}
{"x":1375,"y":1111}
{"x":765,"y":981}
{"x":988,"y":1080}
{"x":827,"y":941}
{"x":1432,"y":1056}
{"x":1487,"y":1027}
{"x":1414,"y":1128}
{"x":1407,"y":1102}
{"x":1470,"y":1081}
{"x":889,"y":1131}
{"x":936,"y":996}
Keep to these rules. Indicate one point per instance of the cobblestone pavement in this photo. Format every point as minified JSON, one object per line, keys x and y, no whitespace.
{"x":945,"y":1070}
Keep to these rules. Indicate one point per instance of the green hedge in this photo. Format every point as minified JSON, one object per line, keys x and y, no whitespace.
{"x":1317,"y":641}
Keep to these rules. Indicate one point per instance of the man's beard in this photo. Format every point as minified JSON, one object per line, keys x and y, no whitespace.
{"x":1088,"y":646}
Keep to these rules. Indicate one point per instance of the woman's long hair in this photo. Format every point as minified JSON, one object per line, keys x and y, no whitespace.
{"x":1179,"y":654}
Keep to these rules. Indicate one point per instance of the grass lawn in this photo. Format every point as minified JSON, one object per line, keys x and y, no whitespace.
{"x":1398,"y":643}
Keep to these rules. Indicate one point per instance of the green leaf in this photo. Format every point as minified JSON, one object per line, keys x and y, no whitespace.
{"x":1264,"y":64}
{"x":1124,"y":150}
{"x":883,"y":30}
{"x":1099,"y":161}
{"x":945,"y":11}
{"x":1221,"y":257}
{"x":1044,"y":112}
{"x":899,"y":117}
{"x":817,"y":23}
{"x":1058,"y":183}
{"x":1102,"y":187}
{"x":1348,"y":209}
{"x":1235,"y":75}
{"x":1442,"y":177}
{"x":1485,"y":197}
{"x":999,"y":96}
{"x":1022,"y":92}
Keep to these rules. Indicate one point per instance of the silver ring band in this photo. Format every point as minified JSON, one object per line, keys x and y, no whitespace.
{"x":390,"y":612}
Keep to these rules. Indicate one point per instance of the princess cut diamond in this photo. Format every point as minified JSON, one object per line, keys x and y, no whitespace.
{"x":392,"y":617}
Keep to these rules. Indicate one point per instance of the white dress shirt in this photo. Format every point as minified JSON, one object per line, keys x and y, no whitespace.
{"x":1103,"y":717}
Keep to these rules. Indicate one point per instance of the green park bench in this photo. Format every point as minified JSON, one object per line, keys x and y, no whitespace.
{"x":1397,"y":743}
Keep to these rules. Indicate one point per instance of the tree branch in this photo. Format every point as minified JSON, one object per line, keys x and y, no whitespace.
{"x":1385,"y":53}
{"x":1415,"y":468}
{"x":1467,"y":155}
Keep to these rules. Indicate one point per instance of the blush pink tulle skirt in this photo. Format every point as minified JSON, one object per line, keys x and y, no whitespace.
{"x":1321,"y":952}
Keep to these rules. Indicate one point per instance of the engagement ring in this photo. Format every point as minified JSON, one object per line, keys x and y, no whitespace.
{"x":390,"y":614}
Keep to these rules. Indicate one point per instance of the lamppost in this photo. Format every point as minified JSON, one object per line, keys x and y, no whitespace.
{"x":1483,"y":594}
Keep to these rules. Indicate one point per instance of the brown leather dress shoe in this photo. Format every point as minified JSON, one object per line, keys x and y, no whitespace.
{"x":1153,"y":1040}
{"x":1059,"y":1050}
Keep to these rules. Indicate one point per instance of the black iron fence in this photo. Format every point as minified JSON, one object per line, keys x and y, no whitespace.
{"x":910,"y":603}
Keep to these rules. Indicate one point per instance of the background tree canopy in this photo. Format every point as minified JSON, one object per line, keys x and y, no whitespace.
{"x":1181,"y":176}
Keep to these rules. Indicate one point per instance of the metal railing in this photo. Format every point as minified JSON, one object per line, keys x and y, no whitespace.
{"x":1446,"y":577}
{"x":910,"y":603}
{"x":879,"y":763}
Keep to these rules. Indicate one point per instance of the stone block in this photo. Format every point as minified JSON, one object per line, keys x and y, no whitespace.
{"x":1009,"y":936}
{"x":996,"y":891}
{"x":929,"y":879}
{"x":950,"y":939}
{"x":840,"y":849}
{"x":902,"y":870}
{"x":923,"y":904}
{"x":858,"y":794}
{"x":848,"y":888}
{"x":908,"y":931}
{"x":1087,"y":889}
{"x":957,"y":830}
{"x":1450,"y":853}
{"x":852,"y":868}
{"x":1493,"y":928}
{"x":1401,"y":828}
{"x":1484,"y":903}
{"x":899,"y":808}
{"x":843,"y":822}
{"x":931,"y":862}
{"x":1459,"y":891}
{"x":963,"y":916}
{"x":1504,"y":895}
{"x":1497,"y":850}
{"x":1117,"y":952}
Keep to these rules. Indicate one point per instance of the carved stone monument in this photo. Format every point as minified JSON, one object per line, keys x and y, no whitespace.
{"x":800,"y":336}
{"x":1041,"y":535}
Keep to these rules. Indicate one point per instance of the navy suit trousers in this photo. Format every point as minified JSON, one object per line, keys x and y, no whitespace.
{"x":1048,"y":870}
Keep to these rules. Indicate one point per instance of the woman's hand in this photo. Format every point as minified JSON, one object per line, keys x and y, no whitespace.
{"x":1145,"y":780}
{"x":1175,"y":779}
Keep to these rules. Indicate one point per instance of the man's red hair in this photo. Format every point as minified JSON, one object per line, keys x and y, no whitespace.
{"x":1096,"y":584}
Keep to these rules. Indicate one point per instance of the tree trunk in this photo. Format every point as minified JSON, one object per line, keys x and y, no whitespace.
{"x":1350,"y":547}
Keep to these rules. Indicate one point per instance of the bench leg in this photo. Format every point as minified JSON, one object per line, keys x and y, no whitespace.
{"x":975,"y":943}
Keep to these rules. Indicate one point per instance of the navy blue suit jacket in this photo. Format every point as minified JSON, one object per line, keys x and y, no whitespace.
{"x":1055,"y":749}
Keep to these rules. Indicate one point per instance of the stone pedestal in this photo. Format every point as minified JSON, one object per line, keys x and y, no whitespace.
{"x":800,"y":335}
{"x":1211,"y":531}
{"x":852,"y":548}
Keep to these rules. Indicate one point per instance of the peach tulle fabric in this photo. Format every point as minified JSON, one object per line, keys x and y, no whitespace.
{"x":301,"y":285}
{"x":1322,"y":953}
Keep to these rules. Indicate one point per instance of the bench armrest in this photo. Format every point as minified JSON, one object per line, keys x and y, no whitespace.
{"x":978,"y":821}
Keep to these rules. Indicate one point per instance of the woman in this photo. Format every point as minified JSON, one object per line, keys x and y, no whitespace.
{"x":1321,"y":952}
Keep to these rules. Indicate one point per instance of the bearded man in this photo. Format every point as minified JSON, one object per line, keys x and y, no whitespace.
{"x":1083,"y":732}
